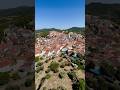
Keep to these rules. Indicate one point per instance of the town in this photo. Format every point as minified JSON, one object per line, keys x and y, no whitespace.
{"x":17,"y":59}
{"x":59,"y":61}
{"x":102,"y":54}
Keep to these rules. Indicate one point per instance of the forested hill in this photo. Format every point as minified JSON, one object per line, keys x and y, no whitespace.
{"x":18,"y":11}
{"x":76,"y":29}
{"x":73,"y":29}
{"x":45,"y":32}
{"x":19,"y":16}
{"x":106,"y":11}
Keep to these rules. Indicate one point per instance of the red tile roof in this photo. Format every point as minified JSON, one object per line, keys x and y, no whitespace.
{"x":5,"y":62}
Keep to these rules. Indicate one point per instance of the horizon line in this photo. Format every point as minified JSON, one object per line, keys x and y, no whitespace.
{"x":59,"y":28}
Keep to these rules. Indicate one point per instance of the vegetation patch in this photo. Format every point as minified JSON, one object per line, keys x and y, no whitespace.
{"x":15,"y":87}
{"x":39,"y":64}
{"x":61,"y":88}
{"x":54,"y":66}
{"x":37,"y":59}
{"x":82,"y":84}
{"x":47,"y":76}
{"x":4,"y":78}
{"x":72,"y":75}
{"x":38,"y":69}
{"x":28,"y":82}
{"x":61,"y":75}
{"x":15,"y":76}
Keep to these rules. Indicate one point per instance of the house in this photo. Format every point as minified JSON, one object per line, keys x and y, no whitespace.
{"x":42,"y":53}
{"x":50,"y":54}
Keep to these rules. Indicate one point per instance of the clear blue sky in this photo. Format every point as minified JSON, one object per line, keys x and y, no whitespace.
{"x":59,"y":13}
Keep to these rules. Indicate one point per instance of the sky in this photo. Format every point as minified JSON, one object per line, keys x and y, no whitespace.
{"x":60,"y":14}
{"x":5,"y":4}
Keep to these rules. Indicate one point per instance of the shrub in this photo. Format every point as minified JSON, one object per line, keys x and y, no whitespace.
{"x":15,"y":76}
{"x":37,"y":59}
{"x":2,"y":33}
{"x":79,"y":64}
{"x":21,"y":70}
{"x":48,"y":70}
{"x":29,"y":73}
{"x":41,"y":58}
{"x":108,"y":69}
{"x":4,"y":78}
{"x":61,"y":88}
{"x":62,"y":65}
{"x":39,"y":64}
{"x":76,"y":86}
{"x":72,"y":75}
{"x":47,"y":76}
{"x":118,"y":73}
{"x":53,"y":89}
{"x":54,"y":66}
{"x":12,"y":87}
{"x":82,"y":84}
{"x":44,"y":33}
{"x":28,"y":82}
{"x":92,"y":82}
{"x":61,"y":75}
{"x":47,"y":61}
{"x":39,"y":69}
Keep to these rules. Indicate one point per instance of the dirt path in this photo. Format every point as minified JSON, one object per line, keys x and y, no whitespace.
{"x":80,"y":74}
{"x":55,"y":82}
{"x":41,"y":74}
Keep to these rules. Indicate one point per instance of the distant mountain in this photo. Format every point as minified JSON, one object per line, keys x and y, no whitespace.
{"x":73,"y":29}
{"x":106,"y":11}
{"x":45,"y":32}
{"x":23,"y":10}
{"x":19,"y":16}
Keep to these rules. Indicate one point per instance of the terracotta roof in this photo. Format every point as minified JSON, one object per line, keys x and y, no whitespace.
{"x":5,"y":62}
{"x":3,"y":45}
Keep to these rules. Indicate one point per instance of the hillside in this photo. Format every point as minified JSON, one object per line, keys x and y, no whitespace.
{"x":15,"y":15}
{"x":45,"y":32}
{"x":54,"y":29}
{"x":102,"y":61}
{"x":17,"y":11}
{"x":106,"y":11}
{"x":19,"y":16}
{"x":76,"y":30}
